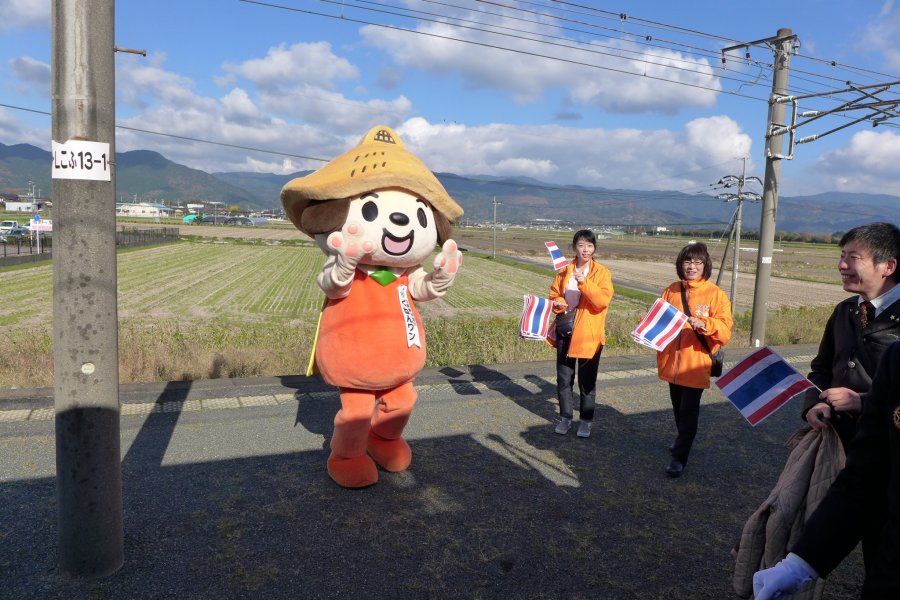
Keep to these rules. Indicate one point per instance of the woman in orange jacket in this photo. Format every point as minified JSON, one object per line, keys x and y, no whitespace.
{"x":580,"y":294}
{"x":685,"y":363}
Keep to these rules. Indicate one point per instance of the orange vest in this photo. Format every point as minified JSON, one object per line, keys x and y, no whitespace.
{"x":684,"y":361}
{"x":589,"y":333}
{"x":362,"y":340}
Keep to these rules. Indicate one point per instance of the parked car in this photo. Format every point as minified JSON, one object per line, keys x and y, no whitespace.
{"x":7,"y":225}
{"x":16,"y":233}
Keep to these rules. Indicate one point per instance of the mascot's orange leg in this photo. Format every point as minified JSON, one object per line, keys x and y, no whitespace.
{"x":348,"y":465}
{"x":385,"y":443}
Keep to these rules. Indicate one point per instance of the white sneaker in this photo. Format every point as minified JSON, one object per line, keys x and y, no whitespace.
{"x":563,"y":426}
{"x":584,"y":429}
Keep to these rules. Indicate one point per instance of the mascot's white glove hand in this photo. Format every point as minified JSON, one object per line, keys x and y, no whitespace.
{"x":782,"y":580}
{"x":446,"y":264}
{"x":348,"y":246}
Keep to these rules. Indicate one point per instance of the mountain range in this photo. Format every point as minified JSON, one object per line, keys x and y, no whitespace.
{"x":150,"y":177}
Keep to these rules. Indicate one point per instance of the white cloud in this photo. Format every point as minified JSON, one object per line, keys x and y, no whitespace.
{"x":868,"y":163}
{"x":600,"y":74}
{"x":142,"y":83}
{"x":883,"y":34}
{"x":333,"y":110}
{"x":33,"y":76}
{"x":24,"y":14}
{"x":612,"y":158}
{"x":283,"y":67}
{"x":14,"y":131}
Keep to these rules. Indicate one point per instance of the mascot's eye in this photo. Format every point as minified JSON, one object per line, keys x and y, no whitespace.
{"x":370,"y":211}
{"x":423,"y":220}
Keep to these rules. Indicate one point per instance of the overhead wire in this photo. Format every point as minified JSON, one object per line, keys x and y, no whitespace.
{"x":344,"y":17}
{"x":567,"y":7}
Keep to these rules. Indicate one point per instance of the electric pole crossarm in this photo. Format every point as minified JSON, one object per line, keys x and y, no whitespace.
{"x":784,"y":98}
{"x":812,"y":138}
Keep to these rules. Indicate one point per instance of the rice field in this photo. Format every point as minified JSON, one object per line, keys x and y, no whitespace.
{"x":210,"y":307}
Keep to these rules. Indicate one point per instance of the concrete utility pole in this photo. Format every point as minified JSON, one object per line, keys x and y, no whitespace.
{"x":85,"y":326}
{"x":728,"y":181}
{"x":774,"y":146}
{"x":496,"y":204}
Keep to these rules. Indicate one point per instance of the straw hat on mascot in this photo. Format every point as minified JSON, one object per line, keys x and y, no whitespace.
{"x":377,"y":212}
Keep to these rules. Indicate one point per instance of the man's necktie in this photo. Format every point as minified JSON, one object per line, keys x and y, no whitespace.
{"x":866,"y":313}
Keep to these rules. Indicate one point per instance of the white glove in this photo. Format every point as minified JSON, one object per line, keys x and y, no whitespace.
{"x":348,"y":245}
{"x":446,"y":265}
{"x":782,"y":580}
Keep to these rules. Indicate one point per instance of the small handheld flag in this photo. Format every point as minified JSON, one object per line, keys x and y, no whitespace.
{"x":760,"y":384}
{"x":559,"y":261}
{"x":535,"y":321}
{"x":661,"y":325}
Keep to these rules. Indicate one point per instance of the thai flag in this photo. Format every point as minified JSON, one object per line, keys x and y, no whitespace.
{"x":559,"y":261}
{"x":761,"y":384}
{"x":661,"y":325}
{"x":535,"y":321}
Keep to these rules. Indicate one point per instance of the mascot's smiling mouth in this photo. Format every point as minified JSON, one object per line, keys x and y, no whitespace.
{"x":396,"y":246}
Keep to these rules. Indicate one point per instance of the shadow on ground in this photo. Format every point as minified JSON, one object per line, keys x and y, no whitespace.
{"x":495,"y":505}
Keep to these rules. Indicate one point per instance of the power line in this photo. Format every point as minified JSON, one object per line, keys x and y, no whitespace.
{"x":184,"y":137}
{"x":344,"y":17}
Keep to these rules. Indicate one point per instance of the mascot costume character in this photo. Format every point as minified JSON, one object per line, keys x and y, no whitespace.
{"x":377,"y":212}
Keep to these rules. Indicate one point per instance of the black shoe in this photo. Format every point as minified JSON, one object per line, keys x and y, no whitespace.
{"x":675,"y":468}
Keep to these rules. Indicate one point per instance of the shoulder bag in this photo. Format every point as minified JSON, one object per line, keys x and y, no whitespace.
{"x":718,"y":359}
{"x":565,"y":323}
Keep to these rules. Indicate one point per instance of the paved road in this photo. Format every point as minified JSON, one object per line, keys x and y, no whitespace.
{"x":226,"y":494}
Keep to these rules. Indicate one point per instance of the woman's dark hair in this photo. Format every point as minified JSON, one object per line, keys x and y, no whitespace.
{"x":586,"y":235}
{"x":694,"y":251}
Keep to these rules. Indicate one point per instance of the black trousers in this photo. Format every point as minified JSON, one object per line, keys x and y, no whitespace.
{"x":686,"y":407}
{"x":565,"y":381}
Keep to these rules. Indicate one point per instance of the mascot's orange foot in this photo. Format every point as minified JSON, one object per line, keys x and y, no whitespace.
{"x":392,"y":455}
{"x":355,"y":472}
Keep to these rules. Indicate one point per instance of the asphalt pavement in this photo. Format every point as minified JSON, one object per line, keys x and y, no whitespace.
{"x":226,"y":494}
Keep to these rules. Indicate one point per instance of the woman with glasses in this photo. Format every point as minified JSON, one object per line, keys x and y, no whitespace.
{"x":685,"y":363}
{"x":580,"y":294}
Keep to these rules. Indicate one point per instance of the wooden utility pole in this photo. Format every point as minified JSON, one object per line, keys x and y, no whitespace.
{"x":85,"y":327}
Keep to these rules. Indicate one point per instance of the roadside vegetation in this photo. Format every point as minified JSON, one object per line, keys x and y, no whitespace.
{"x":217,"y":307}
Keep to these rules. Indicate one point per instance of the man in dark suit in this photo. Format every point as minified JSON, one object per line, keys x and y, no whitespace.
{"x":867,"y":490}
{"x":859,"y":330}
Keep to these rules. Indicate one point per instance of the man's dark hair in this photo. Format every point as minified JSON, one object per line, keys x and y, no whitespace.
{"x":882,"y":240}
{"x":586,"y":235}
{"x":694,"y":251}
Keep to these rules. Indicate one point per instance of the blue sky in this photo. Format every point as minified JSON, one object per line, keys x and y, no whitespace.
{"x":640,"y":103}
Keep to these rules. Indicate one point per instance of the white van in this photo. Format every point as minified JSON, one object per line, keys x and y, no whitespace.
{"x":7,"y":225}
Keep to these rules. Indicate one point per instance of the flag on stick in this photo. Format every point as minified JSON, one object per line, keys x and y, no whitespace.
{"x":761,"y":384}
{"x":535,"y":321}
{"x":559,"y":261}
{"x":661,"y":325}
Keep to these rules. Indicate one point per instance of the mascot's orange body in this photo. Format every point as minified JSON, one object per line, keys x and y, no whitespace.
{"x":370,"y":318}
{"x":378,"y":213}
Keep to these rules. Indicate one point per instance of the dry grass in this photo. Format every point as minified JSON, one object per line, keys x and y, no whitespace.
{"x":201,"y":310}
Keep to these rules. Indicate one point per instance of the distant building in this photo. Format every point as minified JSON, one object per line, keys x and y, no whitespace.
{"x":26,"y":205}
{"x":143,"y":210}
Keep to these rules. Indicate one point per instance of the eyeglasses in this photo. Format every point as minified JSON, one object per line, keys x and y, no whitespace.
{"x":696,"y":263}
